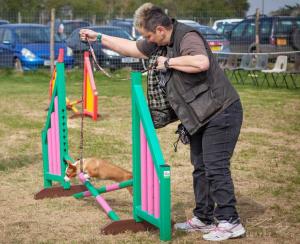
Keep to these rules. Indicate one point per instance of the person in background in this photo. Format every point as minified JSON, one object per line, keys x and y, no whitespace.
{"x":60,"y":33}
{"x":207,"y":105}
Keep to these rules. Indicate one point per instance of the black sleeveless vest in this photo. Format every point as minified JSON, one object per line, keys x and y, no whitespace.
{"x":196,"y":98}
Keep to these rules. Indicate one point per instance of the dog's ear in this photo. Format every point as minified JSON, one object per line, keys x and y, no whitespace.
{"x":70,"y":164}
{"x":71,"y":170}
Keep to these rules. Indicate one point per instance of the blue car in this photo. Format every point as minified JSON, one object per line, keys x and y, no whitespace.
{"x":27,"y":47}
{"x":3,"y":22}
{"x":106,"y":57}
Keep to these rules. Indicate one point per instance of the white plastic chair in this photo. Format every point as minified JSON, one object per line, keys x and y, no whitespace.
{"x":261,"y":64}
{"x":279,"y":67}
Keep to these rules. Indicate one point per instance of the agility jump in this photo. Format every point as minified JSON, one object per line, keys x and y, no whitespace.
{"x":90,"y":94}
{"x":151,"y":176}
{"x":55,"y":142}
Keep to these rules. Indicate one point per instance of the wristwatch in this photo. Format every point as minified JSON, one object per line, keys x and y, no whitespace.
{"x":99,"y":38}
{"x":166,"y":63}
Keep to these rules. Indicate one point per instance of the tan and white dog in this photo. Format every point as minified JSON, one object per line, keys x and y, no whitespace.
{"x":100,"y":169}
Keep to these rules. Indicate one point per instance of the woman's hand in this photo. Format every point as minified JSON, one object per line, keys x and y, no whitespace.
{"x":122,"y":46}
{"x":86,"y":34}
{"x":161,"y":63}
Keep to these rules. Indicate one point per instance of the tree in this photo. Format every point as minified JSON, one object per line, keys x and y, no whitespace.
{"x":288,"y":10}
{"x":192,"y":9}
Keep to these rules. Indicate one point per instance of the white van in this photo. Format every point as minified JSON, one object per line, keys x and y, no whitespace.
{"x":224,"y":25}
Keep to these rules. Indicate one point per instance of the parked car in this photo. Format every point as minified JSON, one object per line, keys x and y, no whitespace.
{"x":223,"y":25}
{"x":189,"y":22}
{"x":216,"y":41}
{"x":226,"y":28}
{"x":69,"y":25}
{"x":126,"y":24}
{"x":106,"y":57}
{"x":3,"y":22}
{"x":276,"y":34}
{"x":27,"y":47}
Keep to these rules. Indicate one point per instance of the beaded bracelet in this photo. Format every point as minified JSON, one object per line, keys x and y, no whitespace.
{"x":99,"y":37}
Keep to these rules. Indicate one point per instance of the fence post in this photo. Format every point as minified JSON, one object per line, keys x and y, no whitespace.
{"x":94,"y":17}
{"x":19,"y":17}
{"x":257,"y":31}
{"x":52,"y":40}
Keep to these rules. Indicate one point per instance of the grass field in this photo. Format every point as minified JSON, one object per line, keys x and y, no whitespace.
{"x":265,"y":166}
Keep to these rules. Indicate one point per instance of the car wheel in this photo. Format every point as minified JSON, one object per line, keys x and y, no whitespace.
{"x":252,"y":48}
{"x":78,"y":59}
{"x":112,"y":69}
{"x":18,"y":65}
{"x":253,"y":51}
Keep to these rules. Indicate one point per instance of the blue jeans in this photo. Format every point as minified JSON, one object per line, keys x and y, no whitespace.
{"x":211,"y":149}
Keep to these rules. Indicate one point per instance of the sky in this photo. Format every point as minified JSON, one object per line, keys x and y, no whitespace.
{"x":269,"y":5}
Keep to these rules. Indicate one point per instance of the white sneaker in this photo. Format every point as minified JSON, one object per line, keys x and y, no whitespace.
{"x":224,"y":231}
{"x":194,"y":224}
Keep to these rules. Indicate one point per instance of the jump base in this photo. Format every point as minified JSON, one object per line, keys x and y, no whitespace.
{"x":117,"y":227}
{"x":58,"y":191}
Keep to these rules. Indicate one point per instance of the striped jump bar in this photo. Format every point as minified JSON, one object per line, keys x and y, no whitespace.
{"x":111,"y":214}
{"x":103,"y":189}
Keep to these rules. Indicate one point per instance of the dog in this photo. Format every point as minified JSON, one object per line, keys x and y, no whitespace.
{"x":100,"y":169}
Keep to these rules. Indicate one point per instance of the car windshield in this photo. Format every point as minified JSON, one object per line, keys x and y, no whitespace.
{"x":69,"y":27}
{"x":284,"y":26}
{"x":114,"y":32}
{"x":209,"y":33}
{"x":228,"y":27}
{"x":34,"y":35}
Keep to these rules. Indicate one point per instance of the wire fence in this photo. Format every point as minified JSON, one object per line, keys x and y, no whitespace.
{"x":25,"y":39}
